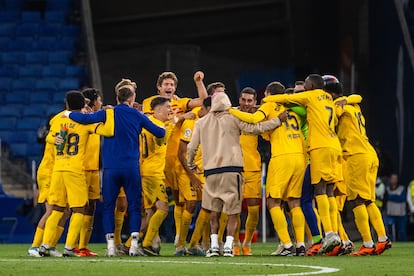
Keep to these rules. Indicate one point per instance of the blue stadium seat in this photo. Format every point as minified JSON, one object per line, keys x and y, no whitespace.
{"x":37,"y":57}
{"x":5,"y":83}
{"x":25,"y":84}
{"x":14,"y":5}
{"x":55,"y":108}
{"x":18,"y":149}
{"x":24,"y":136}
{"x":5,"y":137}
{"x":75,"y":71}
{"x":46,"y":85}
{"x":31,"y":71}
{"x":31,"y":16}
{"x":60,"y":57}
{"x":53,"y":70}
{"x":72,"y":31}
{"x":65,"y":44}
{"x":68,"y":84}
{"x":9,"y":111}
{"x":4,"y":43}
{"x":45,"y":44}
{"x":35,"y":110}
{"x":39,"y":98}
{"x":27,"y":30}
{"x":59,"y":5}
{"x":7,"y":29}
{"x":8,"y":16}
{"x":21,"y":44}
{"x":28,"y":123}
{"x":50,"y":29}
{"x":13,"y":57}
{"x":59,"y":97}
{"x":55,"y":16}
{"x":16,"y":97}
{"x":8,"y":124}
{"x":8,"y":71}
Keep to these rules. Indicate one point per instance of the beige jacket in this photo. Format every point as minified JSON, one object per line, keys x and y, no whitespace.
{"x":218,"y":132}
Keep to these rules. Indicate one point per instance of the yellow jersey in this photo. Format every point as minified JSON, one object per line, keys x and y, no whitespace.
{"x":186,"y":132}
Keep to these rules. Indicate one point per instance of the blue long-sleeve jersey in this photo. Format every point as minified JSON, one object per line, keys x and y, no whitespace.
{"x":121,"y":150}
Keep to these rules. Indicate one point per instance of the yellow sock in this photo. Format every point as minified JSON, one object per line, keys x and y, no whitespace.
{"x":362,"y":222}
{"x":59,"y":232}
{"x":119,"y":222}
{"x":153,"y":227}
{"x":75,"y":226}
{"x":38,"y":236}
{"x":341,"y":230}
{"x":236,"y":238}
{"x":222,"y":226}
{"x":375,"y":218}
{"x":318,"y":218}
{"x":128,"y":242}
{"x":51,"y":227}
{"x":298,"y":223}
{"x":323,"y":209}
{"x":251,"y":222}
{"x":185,"y":226}
{"x":85,"y":232}
{"x":280,"y":224}
{"x":333,"y":213}
{"x":201,"y":223}
{"x":178,"y":214}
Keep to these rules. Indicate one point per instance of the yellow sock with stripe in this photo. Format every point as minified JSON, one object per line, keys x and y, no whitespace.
{"x":51,"y":227}
{"x":178,"y":214}
{"x":186,"y":219}
{"x":361,"y":222}
{"x":119,"y":222}
{"x":251,"y":222}
{"x":341,"y":229}
{"x":376,"y":220}
{"x":38,"y":236}
{"x":280,"y":225}
{"x":75,"y":225}
{"x":298,"y":223}
{"x":86,"y":231}
{"x":333,"y":213}
{"x":222,"y":226}
{"x":201,"y":223}
{"x":153,"y":227}
{"x":323,"y":210}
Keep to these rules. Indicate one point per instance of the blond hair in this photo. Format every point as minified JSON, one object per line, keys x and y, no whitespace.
{"x":124,"y":82}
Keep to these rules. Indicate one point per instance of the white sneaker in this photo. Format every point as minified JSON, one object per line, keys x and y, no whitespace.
{"x":329,"y":242}
{"x":135,"y":251}
{"x":55,"y":253}
{"x":278,"y":250}
{"x":34,"y":252}
{"x":213,"y":252}
{"x":228,"y":252}
{"x":67,"y":252}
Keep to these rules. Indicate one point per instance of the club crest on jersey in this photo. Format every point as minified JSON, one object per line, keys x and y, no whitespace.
{"x":187,"y":133}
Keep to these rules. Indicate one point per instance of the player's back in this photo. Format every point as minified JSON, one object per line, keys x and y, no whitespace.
{"x":73,"y":153}
{"x":287,"y":138}
{"x":352,"y":131}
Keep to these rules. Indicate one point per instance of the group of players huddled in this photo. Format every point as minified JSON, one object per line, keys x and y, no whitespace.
{"x":320,"y":157}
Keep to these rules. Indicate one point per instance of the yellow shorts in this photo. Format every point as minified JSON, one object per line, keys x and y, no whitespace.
{"x":285,"y":176}
{"x":361,"y":174}
{"x":153,"y":188}
{"x":186,"y":191}
{"x":326,"y":164}
{"x":93,"y":182}
{"x":43,"y":183}
{"x":170,"y":172}
{"x":252,"y":187}
{"x":68,"y":188}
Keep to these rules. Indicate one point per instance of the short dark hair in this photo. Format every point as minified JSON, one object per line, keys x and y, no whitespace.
{"x":275,"y":87}
{"x":207,"y":102}
{"x":92,"y":94}
{"x":213,"y":86}
{"x":158,"y":101}
{"x":334,"y":87}
{"x":317,"y":81}
{"x":124,"y":93}
{"x":75,"y":100}
{"x":250,"y":91}
{"x":299,"y":82}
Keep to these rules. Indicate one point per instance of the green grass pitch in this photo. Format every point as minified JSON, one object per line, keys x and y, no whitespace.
{"x":399,"y":260}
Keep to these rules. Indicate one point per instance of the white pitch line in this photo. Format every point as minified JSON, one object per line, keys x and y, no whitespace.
{"x":319,"y":269}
